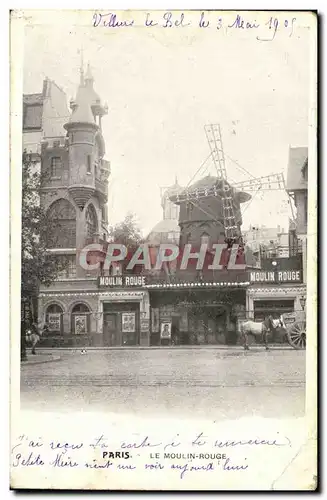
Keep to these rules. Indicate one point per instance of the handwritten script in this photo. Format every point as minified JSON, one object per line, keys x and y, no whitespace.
{"x":200,"y":453}
{"x":263,"y":31}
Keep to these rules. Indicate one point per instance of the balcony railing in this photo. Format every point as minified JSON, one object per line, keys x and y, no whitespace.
{"x":294,"y":263}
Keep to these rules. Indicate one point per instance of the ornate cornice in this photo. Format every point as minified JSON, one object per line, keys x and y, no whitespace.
{"x":275,"y":290}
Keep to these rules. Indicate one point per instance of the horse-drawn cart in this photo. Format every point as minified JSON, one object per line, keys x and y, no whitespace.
{"x":295,"y":325}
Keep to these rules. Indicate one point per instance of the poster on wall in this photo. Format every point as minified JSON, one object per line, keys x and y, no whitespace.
{"x":54,"y":322}
{"x":128,"y":322}
{"x":144,"y":324}
{"x":165,"y":331}
{"x":80,"y":325}
{"x":155,"y":320}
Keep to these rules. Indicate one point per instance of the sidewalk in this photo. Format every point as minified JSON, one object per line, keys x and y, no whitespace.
{"x":39,"y":358}
{"x":154,"y":347}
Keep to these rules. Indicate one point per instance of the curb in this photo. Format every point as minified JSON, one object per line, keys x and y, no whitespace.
{"x":175,"y":348}
{"x":39,"y":361}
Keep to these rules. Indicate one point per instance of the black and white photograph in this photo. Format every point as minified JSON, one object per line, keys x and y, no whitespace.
{"x":165,"y":172}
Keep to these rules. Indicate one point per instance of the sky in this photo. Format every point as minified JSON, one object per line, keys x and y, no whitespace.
{"x":163,"y":85}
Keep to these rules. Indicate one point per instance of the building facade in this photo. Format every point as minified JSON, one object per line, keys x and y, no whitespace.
{"x":167,"y":230}
{"x":44,"y":115}
{"x":200,"y":306}
{"x":118,"y":307}
{"x":75,"y":308}
{"x":280,"y":285}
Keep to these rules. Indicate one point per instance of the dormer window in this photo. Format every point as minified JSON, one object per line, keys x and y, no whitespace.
{"x":56,"y":166}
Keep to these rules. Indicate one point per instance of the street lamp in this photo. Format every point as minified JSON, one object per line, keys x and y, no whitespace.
{"x":303,"y":301}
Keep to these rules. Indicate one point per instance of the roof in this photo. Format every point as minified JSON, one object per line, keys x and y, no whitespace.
{"x":210,"y":181}
{"x":82,"y":112}
{"x":88,"y":75}
{"x":207,"y":181}
{"x":166,"y":226}
{"x":46,"y":110}
{"x":297,"y":162}
{"x":162,"y":229}
{"x":33,"y":98}
{"x":174,"y":189}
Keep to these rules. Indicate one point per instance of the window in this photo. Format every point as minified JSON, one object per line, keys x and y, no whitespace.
{"x":205,"y":238}
{"x":189,"y":209}
{"x":173,"y":236}
{"x":33,"y":116}
{"x":62,"y":225}
{"x":89,"y":163}
{"x":53,"y":318}
{"x":56,"y":166}
{"x":80,"y":319}
{"x":263,"y":308}
{"x":91,"y":221}
{"x":67,"y":266}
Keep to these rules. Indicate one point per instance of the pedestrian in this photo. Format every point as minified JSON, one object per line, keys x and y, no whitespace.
{"x":35,"y":336}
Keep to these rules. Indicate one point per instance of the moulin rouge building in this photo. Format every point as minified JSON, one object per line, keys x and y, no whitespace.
{"x":117,"y":306}
{"x":81,"y":307}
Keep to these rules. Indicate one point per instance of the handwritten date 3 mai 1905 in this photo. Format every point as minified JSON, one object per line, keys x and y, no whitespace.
{"x":266,"y":31}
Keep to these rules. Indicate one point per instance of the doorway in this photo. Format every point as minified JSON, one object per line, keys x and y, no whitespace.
{"x":111,"y":330}
{"x":121,"y":324}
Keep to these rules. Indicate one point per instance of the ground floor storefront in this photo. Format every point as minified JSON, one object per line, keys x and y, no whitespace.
{"x":162,"y":315}
{"x":275,"y":300}
{"x":125,"y":317}
{"x":196,"y":317}
{"x":99,"y":319}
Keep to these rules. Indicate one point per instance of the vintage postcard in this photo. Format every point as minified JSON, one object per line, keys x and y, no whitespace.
{"x":163,"y":250}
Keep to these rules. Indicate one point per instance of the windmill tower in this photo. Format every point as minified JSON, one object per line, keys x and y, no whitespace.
{"x":226,"y":211}
{"x":232,"y":232}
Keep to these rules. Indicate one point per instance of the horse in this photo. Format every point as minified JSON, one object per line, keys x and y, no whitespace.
{"x":258,"y":329}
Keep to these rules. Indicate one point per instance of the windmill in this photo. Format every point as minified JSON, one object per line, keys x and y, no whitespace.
{"x":225,"y":190}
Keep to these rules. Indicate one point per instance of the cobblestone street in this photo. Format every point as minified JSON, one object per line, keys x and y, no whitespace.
{"x":220,"y":383}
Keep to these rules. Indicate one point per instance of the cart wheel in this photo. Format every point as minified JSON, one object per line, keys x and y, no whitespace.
{"x":297,"y":336}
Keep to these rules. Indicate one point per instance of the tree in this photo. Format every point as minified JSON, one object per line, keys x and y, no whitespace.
{"x":126,"y":232}
{"x":38,"y":265}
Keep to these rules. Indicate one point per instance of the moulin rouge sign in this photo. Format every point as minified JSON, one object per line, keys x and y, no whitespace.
{"x":290,"y":276}
{"x":121,"y":281}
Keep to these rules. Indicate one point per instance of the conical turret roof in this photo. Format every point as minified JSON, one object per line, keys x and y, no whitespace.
{"x":88,"y":75}
{"x":82,"y":112}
